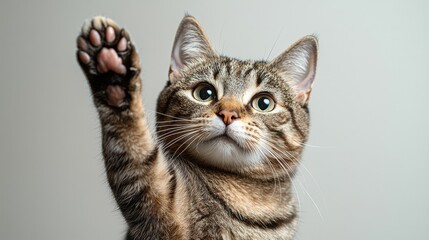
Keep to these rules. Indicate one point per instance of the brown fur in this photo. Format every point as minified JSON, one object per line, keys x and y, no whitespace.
{"x":166,"y":188}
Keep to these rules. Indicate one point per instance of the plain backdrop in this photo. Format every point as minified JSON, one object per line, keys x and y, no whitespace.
{"x":364,"y":173}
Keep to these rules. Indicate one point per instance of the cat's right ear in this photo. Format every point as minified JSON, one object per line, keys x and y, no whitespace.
{"x":191,"y":45}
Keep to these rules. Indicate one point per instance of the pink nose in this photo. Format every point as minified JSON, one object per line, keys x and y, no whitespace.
{"x":228,"y":116}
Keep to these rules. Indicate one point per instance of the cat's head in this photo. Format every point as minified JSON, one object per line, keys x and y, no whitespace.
{"x":234,"y":114}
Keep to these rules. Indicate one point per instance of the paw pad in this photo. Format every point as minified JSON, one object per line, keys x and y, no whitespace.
{"x":109,"y":60}
{"x":103,"y":46}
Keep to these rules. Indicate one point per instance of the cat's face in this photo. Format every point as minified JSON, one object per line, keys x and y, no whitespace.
{"x":234,"y":114}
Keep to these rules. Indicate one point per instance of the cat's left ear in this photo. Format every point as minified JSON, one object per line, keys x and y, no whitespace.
{"x":191,"y":45}
{"x":297,"y":66}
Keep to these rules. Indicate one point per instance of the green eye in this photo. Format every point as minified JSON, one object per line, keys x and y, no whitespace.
{"x":204,"y":93}
{"x":263,"y":103}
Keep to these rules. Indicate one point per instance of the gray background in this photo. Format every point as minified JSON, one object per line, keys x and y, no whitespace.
{"x":364,"y":175}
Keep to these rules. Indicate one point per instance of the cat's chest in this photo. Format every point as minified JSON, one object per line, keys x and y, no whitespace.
{"x":207,"y":217}
{"x":233,"y":206}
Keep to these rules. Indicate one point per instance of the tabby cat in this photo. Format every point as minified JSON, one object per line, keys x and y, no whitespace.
{"x":230,"y":135}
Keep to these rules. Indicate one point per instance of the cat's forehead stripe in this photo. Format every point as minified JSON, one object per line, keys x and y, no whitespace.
{"x":215,"y":72}
{"x":228,"y":67}
{"x":247,"y":71}
{"x":235,"y":68}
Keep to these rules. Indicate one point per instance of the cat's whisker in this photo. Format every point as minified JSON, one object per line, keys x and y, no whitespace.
{"x":312,"y":200}
{"x":180,"y":138}
{"x":275,"y":175}
{"x":251,"y":143}
{"x":278,"y":158}
{"x":167,"y":115}
{"x":174,"y":121}
{"x":279,"y":151}
{"x":317,"y":186}
{"x":184,"y":142}
{"x":274,"y":44}
{"x":193,"y":140}
{"x":199,"y":141}
{"x":311,"y":176}
{"x":177,"y":119}
{"x":303,"y":144}
{"x":179,"y":134}
{"x":287,"y":154}
{"x":173,"y":132}
{"x":302,"y":164}
{"x":285,"y":169}
{"x":178,"y":125}
{"x":170,"y":129}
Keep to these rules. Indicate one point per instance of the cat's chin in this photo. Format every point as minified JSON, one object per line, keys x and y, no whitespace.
{"x":225,"y":140}
{"x":223,"y":152}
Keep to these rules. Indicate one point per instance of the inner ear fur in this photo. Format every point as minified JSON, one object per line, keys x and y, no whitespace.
{"x":191,"y":45}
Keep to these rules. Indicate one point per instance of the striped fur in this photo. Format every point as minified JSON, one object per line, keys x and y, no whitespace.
{"x":187,"y":182}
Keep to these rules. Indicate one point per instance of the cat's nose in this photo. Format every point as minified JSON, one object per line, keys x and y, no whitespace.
{"x":228,"y":116}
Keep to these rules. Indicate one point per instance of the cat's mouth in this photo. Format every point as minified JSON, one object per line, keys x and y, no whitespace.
{"x":225,"y":139}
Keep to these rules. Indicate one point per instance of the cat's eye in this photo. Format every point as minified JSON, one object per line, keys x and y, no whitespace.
{"x":204,"y":92}
{"x":263,"y":103}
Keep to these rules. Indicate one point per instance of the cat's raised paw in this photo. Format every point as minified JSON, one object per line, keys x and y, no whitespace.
{"x":108,"y":59}
{"x":103,"y":46}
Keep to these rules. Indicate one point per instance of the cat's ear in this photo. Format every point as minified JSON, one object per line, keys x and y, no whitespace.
{"x":297,"y":66}
{"x":190,"y":46}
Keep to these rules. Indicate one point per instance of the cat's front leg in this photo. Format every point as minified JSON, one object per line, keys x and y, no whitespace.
{"x":136,"y":169}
